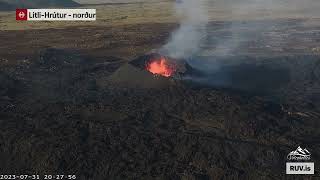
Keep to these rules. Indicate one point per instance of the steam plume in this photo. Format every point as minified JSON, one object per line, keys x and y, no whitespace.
{"x":186,"y":40}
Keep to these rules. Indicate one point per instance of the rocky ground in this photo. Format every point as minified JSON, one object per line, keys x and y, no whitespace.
{"x":60,"y":114}
{"x":68,"y":109}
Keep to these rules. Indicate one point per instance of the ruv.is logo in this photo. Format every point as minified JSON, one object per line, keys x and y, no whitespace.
{"x":299,"y":162}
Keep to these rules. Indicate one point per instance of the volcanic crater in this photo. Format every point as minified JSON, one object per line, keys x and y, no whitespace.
{"x":104,"y":112}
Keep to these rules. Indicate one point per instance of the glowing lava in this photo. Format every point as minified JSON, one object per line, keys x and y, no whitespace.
{"x":160,"y":67}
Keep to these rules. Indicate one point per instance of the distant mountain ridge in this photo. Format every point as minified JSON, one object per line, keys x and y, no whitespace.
{"x":13,"y":4}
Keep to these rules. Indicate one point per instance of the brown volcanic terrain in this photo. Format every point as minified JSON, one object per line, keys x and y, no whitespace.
{"x":70,"y":103}
{"x":16,"y":4}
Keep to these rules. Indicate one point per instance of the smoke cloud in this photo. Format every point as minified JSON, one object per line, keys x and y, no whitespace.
{"x":186,"y":40}
{"x":222,"y":44}
{"x":247,"y":22}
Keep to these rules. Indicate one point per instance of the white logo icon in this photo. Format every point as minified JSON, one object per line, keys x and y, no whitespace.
{"x":296,"y":167}
{"x":299,"y":154}
{"x":21,"y":14}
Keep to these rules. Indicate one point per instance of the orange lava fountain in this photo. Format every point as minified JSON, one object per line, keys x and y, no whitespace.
{"x":161,"y":67}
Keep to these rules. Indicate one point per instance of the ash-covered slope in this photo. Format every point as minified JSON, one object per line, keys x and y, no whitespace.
{"x":13,"y":4}
{"x":66,"y":107}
